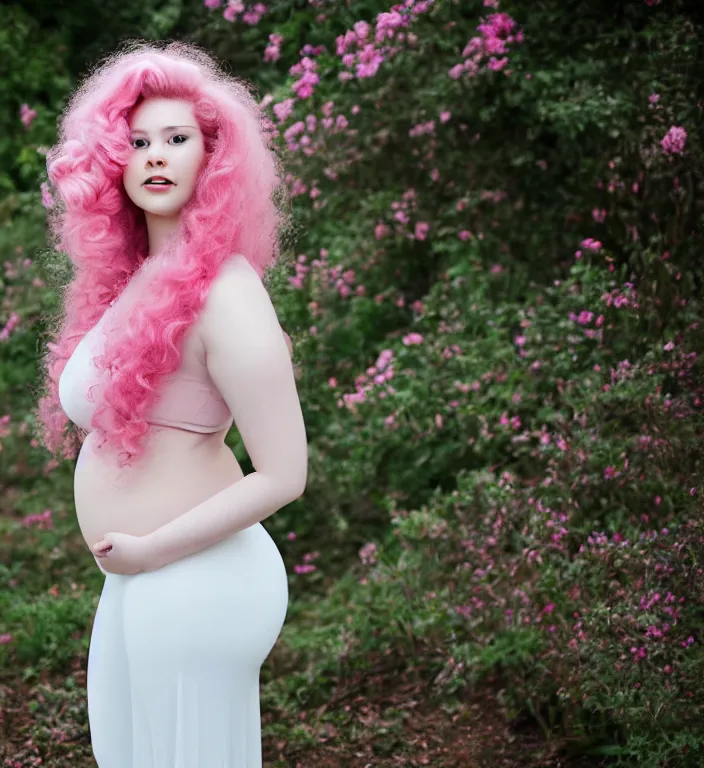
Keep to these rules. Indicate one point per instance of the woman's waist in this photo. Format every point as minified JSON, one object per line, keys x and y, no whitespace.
{"x":168,"y":453}
{"x":153,"y":491}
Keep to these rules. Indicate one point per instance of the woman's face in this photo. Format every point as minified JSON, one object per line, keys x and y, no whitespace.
{"x":166,"y":142}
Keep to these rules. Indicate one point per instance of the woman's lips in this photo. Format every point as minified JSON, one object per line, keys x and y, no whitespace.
{"x":159,"y":187}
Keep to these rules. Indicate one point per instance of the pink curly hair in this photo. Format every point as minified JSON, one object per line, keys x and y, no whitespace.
{"x":233,"y":210}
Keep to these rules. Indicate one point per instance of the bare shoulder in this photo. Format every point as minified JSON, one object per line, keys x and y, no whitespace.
{"x":239,"y":265}
{"x":235,"y":290}
{"x":238,"y":303}
{"x":235,"y":272}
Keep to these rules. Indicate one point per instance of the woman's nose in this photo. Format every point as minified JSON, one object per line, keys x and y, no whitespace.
{"x":155,"y":156}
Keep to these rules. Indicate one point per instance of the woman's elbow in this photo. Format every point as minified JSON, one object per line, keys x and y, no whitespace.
{"x":299,"y":488}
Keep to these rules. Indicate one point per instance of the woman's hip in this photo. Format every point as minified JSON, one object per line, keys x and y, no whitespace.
{"x":230,"y":590}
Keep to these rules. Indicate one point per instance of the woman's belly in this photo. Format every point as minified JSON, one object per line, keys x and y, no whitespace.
{"x":177,"y":471}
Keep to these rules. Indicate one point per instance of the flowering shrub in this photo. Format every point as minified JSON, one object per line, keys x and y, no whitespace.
{"x":568,"y":555}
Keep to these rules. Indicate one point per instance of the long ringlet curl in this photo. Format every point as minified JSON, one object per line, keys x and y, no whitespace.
{"x":238,"y":207}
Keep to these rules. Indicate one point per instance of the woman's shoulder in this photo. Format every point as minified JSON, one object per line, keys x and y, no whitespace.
{"x":236,"y":295}
{"x":237,"y":264}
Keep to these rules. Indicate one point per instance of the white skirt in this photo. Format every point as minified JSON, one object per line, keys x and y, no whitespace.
{"x":175,"y":654}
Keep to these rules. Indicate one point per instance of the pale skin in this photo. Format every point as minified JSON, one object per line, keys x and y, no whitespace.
{"x":251,"y":367}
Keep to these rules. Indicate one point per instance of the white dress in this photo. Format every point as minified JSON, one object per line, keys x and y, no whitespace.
{"x":175,"y":654}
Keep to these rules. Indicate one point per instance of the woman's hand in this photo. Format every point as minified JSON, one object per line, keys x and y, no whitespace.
{"x":123,"y":554}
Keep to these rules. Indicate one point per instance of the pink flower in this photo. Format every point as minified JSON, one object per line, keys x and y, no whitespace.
{"x":43,"y":520}
{"x":381,"y":231}
{"x":584,"y":318}
{"x":422,"y":228}
{"x":27,"y":115}
{"x":674,"y":141}
{"x":591,"y":244}
{"x":496,"y":65}
{"x":233,"y":8}
{"x":368,"y":553}
{"x":47,"y":198}
{"x":412,"y":338}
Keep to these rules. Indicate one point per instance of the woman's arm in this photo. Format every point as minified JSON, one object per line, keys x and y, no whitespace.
{"x":248,"y":361}
{"x":289,"y":344}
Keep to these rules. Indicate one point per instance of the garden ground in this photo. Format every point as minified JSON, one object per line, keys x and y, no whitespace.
{"x":386,"y":720}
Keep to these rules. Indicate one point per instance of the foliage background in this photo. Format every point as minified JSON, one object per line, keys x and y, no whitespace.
{"x":495,"y":304}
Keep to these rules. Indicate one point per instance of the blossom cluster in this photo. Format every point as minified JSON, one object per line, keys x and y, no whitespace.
{"x":496,"y":34}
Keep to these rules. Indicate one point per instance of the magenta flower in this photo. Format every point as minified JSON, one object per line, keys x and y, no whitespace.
{"x":674,"y":141}
{"x":591,"y":244}
{"x":27,"y":115}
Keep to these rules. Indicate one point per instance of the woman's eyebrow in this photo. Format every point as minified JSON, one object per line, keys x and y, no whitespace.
{"x":164,"y":129}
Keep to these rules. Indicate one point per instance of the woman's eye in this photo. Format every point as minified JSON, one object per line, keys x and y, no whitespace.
{"x":173,"y":138}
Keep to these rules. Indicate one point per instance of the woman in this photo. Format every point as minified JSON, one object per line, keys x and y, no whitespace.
{"x":166,"y":186}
